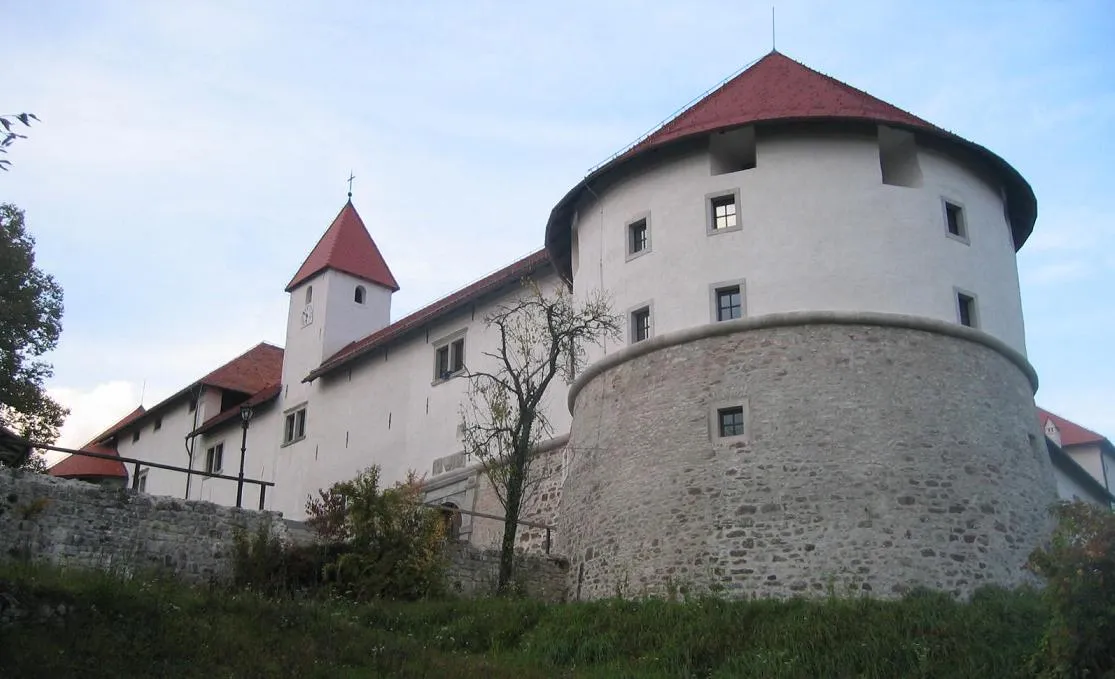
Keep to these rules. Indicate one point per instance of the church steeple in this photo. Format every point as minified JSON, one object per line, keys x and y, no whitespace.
{"x":346,"y":246}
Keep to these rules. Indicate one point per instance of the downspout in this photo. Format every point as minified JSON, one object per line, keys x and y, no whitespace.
{"x":189,"y":443}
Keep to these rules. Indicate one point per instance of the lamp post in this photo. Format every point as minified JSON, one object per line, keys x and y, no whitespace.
{"x":245,"y":420}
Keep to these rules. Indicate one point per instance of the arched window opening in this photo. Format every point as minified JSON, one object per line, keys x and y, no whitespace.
{"x":309,"y":294}
{"x":359,"y":295}
{"x":451,"y":519}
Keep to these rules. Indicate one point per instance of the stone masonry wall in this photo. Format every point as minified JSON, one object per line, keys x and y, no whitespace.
{"x":874,"y":459}
{"x":542,"y":505}
{"x":473,"y":572}
{"x":74,"y":523}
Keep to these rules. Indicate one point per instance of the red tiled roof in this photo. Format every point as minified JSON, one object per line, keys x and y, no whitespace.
{"x":262,"y":396}
{"x":251,"y":371}
{"x":778,"y":88}
{"x":78,"y":466}
{"x":509,"y":274}
{"x":346,"y":246}
{"x":1072,"y":434}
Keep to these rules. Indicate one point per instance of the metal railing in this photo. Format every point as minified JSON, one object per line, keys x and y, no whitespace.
{"x":140,"y":464}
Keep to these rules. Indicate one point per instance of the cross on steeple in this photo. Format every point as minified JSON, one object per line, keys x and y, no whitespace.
{"x":351,"y":176}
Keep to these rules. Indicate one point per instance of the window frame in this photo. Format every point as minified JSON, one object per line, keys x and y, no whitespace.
{"x":714,"y":420}
{"x":454,"y":347}
{"x":632,"y":333}
{"x":294,"y":427}
{"x":714,"y":299}
{"x":710,"y":211}
{"x":958,"y":297}
{"x":360,"y":294}
{"x":628,"y":236}
{"x":215,"y":452}
{"x":962,"y":213}
{"x":141,"y":483}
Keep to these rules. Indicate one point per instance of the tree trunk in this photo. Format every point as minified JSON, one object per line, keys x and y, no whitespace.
{"x":510,"y":526}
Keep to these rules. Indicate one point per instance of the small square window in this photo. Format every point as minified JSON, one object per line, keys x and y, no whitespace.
{"x":637,"y":237}
{"x":158,"y":423}
{"x":214,"y":459}
{"x":640,"y":324}
{"x":729,"y":304}
{"x":294,"y":426}
{"x":135,"y":436}
{"x":954,"y":221}
{"x":966,"y":309}
{"x":730,"y":421}
{"x":449,"y":359}
{"x":724,"y":213}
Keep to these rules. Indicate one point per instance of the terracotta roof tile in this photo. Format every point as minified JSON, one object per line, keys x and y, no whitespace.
{"x":490,"y":283}
{"x":778,"y":88}
{"x":251,"y":371}
{"x":346,"y":246}
{"x":78,"y":466}
{"x":1072,"y":434}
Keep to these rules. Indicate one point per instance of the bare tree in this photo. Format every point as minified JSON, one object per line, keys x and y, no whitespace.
{"x":7,"y":137}
{"x":540,"y":336}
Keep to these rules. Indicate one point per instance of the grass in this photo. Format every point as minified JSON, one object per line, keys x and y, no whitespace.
{"x":153,"y":628}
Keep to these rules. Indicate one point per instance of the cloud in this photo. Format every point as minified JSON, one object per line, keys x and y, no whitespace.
{"x":92,"y":411}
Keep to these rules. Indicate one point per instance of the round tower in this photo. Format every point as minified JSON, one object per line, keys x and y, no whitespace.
{"x":822,"y":381}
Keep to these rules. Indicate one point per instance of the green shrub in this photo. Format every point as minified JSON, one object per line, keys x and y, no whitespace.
{"x":261,"y":563}
{"x":1079,"y":570}
{"x":385,"y":543}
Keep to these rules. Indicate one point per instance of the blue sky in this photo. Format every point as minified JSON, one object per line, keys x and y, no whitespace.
{"x":190,"y":154}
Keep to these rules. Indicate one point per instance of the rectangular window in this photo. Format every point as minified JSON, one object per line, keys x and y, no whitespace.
{"x":441,"y":363}
{"x":728,"y":303}
{"x":724,"y":213}
{"x":142,"y":485}
{"x":294,"y":426}
{"x":954,"y":220}
{"x":637,"y":237}
{"x":966,"y":308}
{"x":449,"y":358}
{"x":640,"y":324}
{"x":135,"y":436}
{"x":214,"y":459}
{"x":158,"y":423}
{"x":730,"y":421}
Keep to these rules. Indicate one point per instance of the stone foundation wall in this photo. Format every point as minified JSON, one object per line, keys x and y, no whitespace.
{"x":875,"y":458}
{"x":73,"y":523}
{"x":473,"y":572}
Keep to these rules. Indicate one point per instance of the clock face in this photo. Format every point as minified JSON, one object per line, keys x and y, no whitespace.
{"x":307,"y":315}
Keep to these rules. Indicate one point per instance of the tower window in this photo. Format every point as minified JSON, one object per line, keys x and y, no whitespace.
{"x":729,"y":303}
{"x":359,"y":294}
{"x":966,"y":309}
{"x":730,"y":421}
{"x":214,"y":459}
{"x":955,"y":222}
{"x":309,"y":294}
{"x":637,"y":237}
{"x":640,"y":324}
{"x":723,"y":211}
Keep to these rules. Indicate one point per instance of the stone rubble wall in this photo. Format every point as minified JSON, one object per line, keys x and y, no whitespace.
{"x":541,"y":505}
{"x":473,"y":572}
{"x":874,"y":459}
{"x":74,"y":523}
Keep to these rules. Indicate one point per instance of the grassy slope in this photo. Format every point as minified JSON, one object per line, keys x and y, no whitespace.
{"x":152,"y":629}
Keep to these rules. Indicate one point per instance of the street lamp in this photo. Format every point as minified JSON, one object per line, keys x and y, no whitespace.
{"x":245,"y":420}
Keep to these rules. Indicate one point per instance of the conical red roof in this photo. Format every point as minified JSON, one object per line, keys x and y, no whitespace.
{"x":778,"y":88}
{"x":346,"y":246}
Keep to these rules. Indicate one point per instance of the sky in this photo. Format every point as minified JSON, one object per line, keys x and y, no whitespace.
{"x":190,"y":154}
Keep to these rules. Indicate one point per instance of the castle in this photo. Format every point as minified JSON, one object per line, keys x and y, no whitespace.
{"x":822,"y":377}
